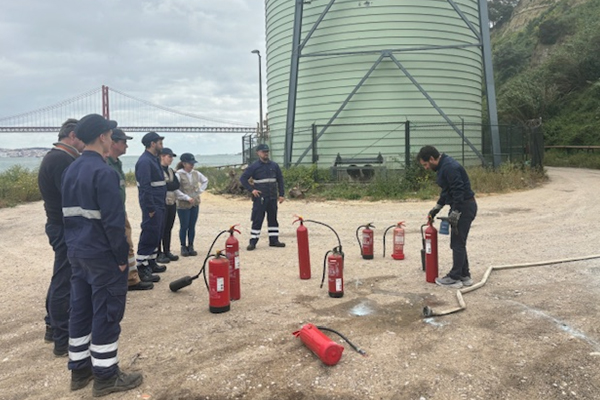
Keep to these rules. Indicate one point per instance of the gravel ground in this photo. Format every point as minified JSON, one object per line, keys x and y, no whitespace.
{"x":530,"y":333}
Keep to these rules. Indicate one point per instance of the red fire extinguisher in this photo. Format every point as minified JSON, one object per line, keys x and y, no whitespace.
{"x":431,"y":252}
{"x":232,"y":251}
{"x":218,"y":284}
{"x":398,"y":238}
{"x":322,"y":346}
{"x":366,"y":247}
{"x":303,"y":249}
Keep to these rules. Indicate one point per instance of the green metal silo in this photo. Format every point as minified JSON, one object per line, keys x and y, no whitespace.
{"x":367,"y":67}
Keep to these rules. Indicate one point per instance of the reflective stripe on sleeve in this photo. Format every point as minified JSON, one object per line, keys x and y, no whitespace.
{"x":80,"y":212}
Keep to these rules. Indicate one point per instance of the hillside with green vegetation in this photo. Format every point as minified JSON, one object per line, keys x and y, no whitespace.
{"x":548,"y":66}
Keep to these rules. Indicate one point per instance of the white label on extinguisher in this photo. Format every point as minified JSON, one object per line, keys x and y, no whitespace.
{"x":428,"y":246}
{"x":338,"y":284}
{"x":220,"y":284}
{"x":237,"y":262}
{"x":399,"y":239}
{"x":367,"y":240}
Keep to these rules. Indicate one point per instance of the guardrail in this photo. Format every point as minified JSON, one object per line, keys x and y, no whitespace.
{"x":589,"y":149}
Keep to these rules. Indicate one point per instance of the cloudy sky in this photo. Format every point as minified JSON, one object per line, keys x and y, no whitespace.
{"x":190,"y":55}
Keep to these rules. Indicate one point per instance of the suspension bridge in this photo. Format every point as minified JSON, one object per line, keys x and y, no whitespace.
{"x":132,"y":113}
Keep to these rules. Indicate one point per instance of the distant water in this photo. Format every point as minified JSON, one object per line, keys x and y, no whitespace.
{"x":212,"y":160}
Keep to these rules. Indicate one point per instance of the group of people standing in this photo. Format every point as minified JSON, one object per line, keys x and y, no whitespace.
{"x":83,"y":187}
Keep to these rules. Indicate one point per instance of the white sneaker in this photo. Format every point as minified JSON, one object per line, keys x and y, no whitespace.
{"x":449,"y":282}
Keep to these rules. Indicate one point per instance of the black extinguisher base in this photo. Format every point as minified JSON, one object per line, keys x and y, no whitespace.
{"x":219,"y":310}
{"x":368,"y":257}
{"x":336,"y":295}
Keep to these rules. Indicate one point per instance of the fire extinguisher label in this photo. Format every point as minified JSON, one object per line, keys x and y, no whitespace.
{"x":366,"y":240}
{"x":338,"y":284}
{"x":428,"y":246}
{"x":399,"y":239}
{"x":220,"y":284}
{"x":237,"y":262}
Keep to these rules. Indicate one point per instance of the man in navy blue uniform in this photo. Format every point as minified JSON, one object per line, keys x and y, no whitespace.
{"x":456,"y":192}
{"x":94,"y":218}
{"x":54,"y":164}
{"x":152,"y":190}
{"x":267,"y":191}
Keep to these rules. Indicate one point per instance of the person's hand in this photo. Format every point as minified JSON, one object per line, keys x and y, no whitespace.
{"x":191,"y":200}
{"x":453,"y":217}
{"x":123,"y":267}
{"x":256,"y":193}
{"x":434,"y":211}
{"x":151,"y":214}
{"x":281,"y":199}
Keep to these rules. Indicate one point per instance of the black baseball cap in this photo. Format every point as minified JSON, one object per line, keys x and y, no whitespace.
{"x":168,"y":151}
{"x":188,"y":158}
{"x":91,"y":126}
{"x":118,"y":134}
{"x":262,"y":147}
{"x":151,"y":137}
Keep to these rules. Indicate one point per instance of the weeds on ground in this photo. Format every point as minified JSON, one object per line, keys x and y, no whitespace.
{"x":18,"y":185}
{"x":580,"y":159}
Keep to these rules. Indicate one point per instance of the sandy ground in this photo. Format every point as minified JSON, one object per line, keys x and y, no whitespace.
{"x":528,"y":334}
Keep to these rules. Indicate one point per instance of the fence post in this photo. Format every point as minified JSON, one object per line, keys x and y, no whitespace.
{"x":315,"y":154}
{"x":407,"y":145}
{"x":462,"y":127}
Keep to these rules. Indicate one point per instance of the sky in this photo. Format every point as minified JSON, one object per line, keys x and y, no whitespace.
{"x":193,"y":56}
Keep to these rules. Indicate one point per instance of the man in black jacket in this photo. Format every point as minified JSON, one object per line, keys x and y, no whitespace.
{"x":457,"y":193}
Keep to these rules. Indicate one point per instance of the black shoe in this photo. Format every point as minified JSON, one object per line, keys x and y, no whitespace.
{"x":251,"y":247}
{"x":49,"y":335}
{"x":141,"y":286}
{"x":172,"y":256}
{"x":80,"y":378}
{"x":118,"y":383}
{"x":145,"y":273}
{"x":61,"y":351}
{"x":163,"y":258}
{"x":184,"y":252}
{"x":157,"y":269}
{"x":191,"y":251}
{"x":277,"y":244}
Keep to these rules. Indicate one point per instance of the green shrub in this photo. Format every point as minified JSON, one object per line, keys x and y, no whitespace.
{"x":579,"y":159}
{"x":18,"y":185}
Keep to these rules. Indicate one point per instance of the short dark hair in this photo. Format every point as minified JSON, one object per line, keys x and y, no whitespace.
{"x":67,"y":127}
{"x":427,"y":152}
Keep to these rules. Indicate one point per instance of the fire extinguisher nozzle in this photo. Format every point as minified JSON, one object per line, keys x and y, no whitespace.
{"x":427,"y":311}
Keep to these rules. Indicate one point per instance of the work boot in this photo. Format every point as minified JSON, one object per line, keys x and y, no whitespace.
{"x":146,"y":275}
{"x":61,"y":350}
{"x":163,"y":258}
{"x":277,"y":244}
{"x":80,"y":378}
{"x":184,"y":252}
{"x":172,"y":256}
{"x":49,"y":335}
{"x":251,"y":247}
{"x":141,"y":286}
{"x":120,"y":382}
{"x":191,"y":251}
{"x":155,"y":267}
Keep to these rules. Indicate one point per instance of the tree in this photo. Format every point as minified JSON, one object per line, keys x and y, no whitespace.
{"x":499,"y":11}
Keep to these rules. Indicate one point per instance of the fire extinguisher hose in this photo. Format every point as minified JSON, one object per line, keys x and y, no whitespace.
{"x":325,"y":268}
{"x":385,"y":233}
{"x":429,"y":312}
{"x":357,"y":349}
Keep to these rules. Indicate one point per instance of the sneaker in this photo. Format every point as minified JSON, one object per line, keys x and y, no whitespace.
{"x":449,"y":282}
{"x":141,"y":286}
{"x":61,"y":351}
{"x":49,"y":335}
{"x":251,"y":247}
{"x":192,"y":252}
{"x":172,"y":256}
{"x":466,"y":280}
{"x":277,"y":244}
{"x":184,"y":252}
{"x":121,"y":382}
{"x":80,"y":378}
{"x":163,"y":259}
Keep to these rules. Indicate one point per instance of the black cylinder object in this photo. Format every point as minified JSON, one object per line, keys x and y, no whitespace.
{"x":180,"y":283}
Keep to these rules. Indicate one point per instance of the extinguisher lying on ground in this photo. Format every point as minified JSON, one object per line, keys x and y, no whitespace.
{"x":218,"y":283}
{"x":322,"y":346}
{"x":334,"y":259}
{"x":366,"y":247}
{"x":398,"y":240}
{"x":303,"y":248}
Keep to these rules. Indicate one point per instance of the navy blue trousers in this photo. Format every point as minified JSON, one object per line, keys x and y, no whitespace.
{"x":152,"y":230}
{"x":98,"y":296}
{"x":260,"y":207}
{"x":458,"y":241}
{"x":59,"y":291}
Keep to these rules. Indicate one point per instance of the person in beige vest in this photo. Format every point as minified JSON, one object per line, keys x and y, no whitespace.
{"x":191,"y":185}
{"x":164,"y":249}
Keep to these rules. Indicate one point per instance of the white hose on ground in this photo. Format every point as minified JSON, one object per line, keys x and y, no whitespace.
{"x":429,"y":312}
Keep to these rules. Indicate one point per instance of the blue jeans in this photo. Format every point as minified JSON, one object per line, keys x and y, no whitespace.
{"x":187,"y":221}
{"x":458,"y":241}
{"x":59,"y":292}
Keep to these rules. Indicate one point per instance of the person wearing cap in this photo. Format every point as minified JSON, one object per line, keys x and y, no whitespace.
{"x":152,"y":190}
{"x":55,"y":162}
{"x":267,"y":191}
{"x":118,"y":147}
{"x":192,"y":184}
{"x":94,"y":218}
{"x":166,"y":158}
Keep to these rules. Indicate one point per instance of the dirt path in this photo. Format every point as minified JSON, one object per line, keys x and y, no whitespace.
{"x":528,"y":334}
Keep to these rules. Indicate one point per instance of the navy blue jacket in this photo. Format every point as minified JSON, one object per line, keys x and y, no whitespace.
{"x":152,"y":188}
{"x":455,"y":184}
{"x":94,"y":214}
{"x":267,"y":179}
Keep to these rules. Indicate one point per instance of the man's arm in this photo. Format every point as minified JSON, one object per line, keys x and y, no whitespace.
{"x":247,"y":174}
{"x":113,"y":214}
{"x":143,"y":173}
